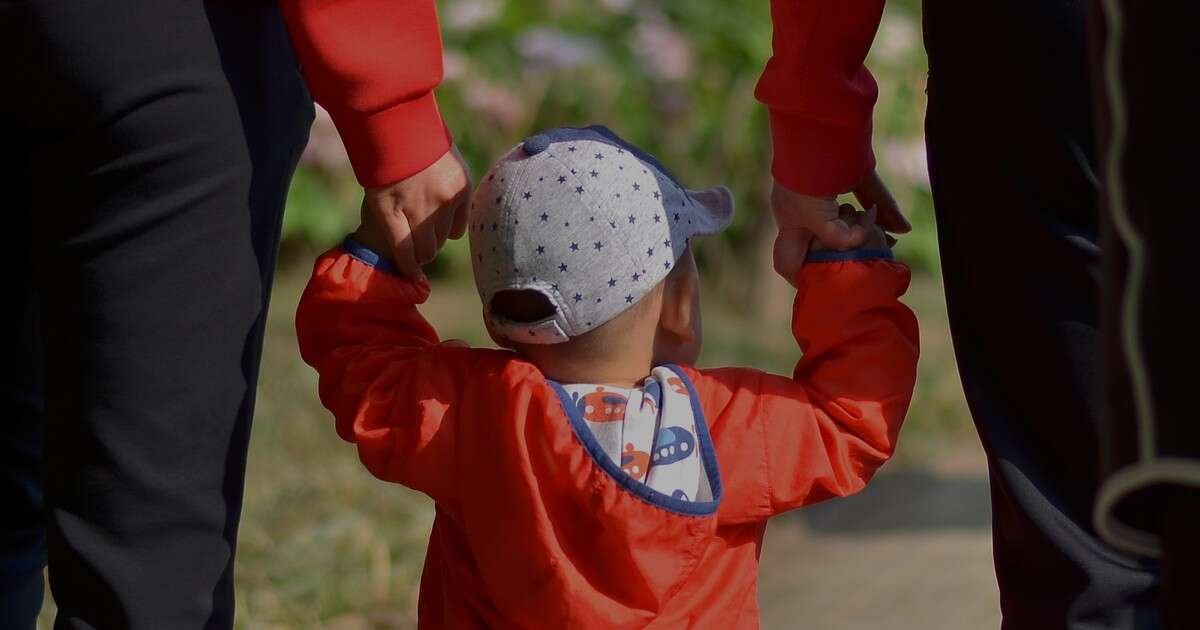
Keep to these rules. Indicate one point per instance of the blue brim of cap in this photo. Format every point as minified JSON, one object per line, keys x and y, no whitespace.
{"x":715,"y":212}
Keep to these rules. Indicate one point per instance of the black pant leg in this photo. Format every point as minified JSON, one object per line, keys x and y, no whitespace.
{"x":276,"y":111}
{"x":151,"y":293}
{"x":22,"y":527}
{"x":1150,"y":500}
{"x":1011,"y":162}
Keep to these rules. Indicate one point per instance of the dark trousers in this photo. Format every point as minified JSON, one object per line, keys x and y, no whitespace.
{"x":147,"y":149}
{"x":1013,"y":165}
{"x":1150,"y":499}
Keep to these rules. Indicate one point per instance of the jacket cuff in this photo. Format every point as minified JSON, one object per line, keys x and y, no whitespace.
{"x":390,"y":145}
{"x":818,"y":158}
{"x":853,"y":255}
{"x":369,"y":269}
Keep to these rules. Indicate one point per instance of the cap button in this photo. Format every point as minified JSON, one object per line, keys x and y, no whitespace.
{"x":534,"y":145}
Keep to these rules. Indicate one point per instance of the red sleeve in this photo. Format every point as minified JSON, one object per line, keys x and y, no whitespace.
{"x":819,"y":94}
{"x":787,"y":442}
{"x":392,"y":389}
{"x":374,"y":64}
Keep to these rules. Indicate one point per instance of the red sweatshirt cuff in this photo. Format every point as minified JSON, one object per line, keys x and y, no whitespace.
{"x":818,"y":158}
{"x":390,"y":145}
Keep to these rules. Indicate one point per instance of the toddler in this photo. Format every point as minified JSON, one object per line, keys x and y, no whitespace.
{"x":588,"y":475}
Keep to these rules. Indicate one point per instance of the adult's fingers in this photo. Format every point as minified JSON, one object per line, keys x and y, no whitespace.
{"x":462,"y":201}
{"x":403,"y":249}
{"x":444,"y":223}
{"x":424,"y":238}
{"x":791,"y":248}
{"x":818,"y":215}
{"x":871,"y":191}
{"x":460,"y":216}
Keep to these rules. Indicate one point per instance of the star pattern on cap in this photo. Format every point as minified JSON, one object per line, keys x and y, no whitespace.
{"x":639,"y":210}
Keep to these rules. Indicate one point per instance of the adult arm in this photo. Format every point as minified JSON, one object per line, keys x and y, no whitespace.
{"x":374,"y":64}
{"x":819,"y":94}
{"x":820,"y":98}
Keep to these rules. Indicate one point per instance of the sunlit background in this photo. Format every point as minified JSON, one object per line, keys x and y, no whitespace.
{"x":325,"y":545}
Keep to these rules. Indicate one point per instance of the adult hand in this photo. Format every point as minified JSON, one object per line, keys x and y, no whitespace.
{"x":803,"y":218}
{"x":411,"y":219}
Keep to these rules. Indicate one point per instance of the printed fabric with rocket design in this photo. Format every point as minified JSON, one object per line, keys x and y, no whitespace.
{"x":650,"y":432}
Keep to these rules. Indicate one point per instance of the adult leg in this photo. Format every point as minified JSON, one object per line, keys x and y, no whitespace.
{"x":150,"y":290}
{"x":1010,"y":151}
{"x":22,"y":524}
{"x":276,"y":112}
{"x":1150,"y":500}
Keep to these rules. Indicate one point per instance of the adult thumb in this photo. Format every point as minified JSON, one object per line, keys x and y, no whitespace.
{"x":791,"y":248}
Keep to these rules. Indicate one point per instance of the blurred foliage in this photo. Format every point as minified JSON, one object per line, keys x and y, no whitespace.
{"x":677,"y":79}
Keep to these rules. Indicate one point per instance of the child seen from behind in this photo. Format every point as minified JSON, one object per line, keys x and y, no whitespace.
{"x":587,"y":474}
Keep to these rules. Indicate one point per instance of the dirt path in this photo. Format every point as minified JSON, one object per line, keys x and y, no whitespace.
{"x":912,"y":551}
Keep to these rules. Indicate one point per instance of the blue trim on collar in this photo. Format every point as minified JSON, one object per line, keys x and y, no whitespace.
{"x":635,"y":487}
{"x":369,"y":257}
{"x":828,"y":255}
{"x":711,"y":469}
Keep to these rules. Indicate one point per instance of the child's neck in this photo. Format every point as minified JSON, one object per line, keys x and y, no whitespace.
{"x":622,"y":369}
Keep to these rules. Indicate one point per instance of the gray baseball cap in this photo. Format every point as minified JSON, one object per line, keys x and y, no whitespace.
{"x":587,"y":220}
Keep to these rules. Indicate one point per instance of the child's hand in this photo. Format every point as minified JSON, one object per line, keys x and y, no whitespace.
{"x":806,"y":219}
{"x":874,"y":236}
{"x":793,"y":246}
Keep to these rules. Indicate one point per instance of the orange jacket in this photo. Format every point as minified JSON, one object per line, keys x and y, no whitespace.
{"x":533,"y":530}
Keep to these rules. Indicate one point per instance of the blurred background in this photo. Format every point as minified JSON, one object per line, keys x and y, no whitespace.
{"x":325,"y":545}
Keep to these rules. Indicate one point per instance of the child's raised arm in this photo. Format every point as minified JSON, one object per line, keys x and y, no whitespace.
{"x":784,"y":443}
{"x":389,"y":385}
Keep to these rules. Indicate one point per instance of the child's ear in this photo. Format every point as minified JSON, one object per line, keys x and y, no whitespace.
{"x":680,"y":293}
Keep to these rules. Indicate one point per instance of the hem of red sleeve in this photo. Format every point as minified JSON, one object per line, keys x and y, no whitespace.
{"x":818,"y":158}
{"x":390,"y":145}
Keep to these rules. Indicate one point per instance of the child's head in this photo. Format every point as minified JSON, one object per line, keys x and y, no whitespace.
{"x":579,"y":244}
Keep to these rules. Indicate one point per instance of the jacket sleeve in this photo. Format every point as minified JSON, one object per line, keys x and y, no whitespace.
{"x":819,"y":94}
{"x":787,"y":442}
{"x":373,"y":64}
{"x":392,"y":389}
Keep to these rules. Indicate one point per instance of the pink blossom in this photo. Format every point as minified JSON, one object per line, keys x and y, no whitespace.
{"x":664,"y":52}
{"x":495,"y":103}
{"x":325,"y":150}
{"x":906,"y":161}
{"x":551,"y":49}
{"x":469,"y":15}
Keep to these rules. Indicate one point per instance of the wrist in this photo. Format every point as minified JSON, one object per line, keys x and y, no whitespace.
{"x":393,"y":144}
{"x":819,"y":159}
